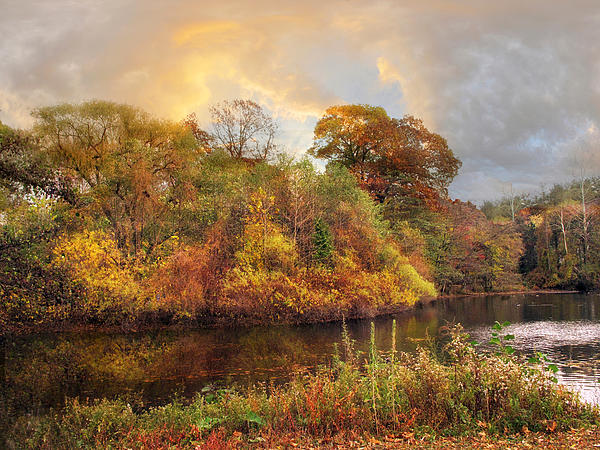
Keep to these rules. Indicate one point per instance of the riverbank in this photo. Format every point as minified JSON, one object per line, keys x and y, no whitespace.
{"x":457,"y":397}
{"x":158,"y":322}
{"x":572,"y":439}
{"x":517,"y":292}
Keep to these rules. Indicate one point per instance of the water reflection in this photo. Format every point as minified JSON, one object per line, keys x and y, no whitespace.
{"x":40,"y":371}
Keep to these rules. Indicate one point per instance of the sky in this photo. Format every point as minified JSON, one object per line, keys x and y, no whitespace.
{"x":514,"y":86}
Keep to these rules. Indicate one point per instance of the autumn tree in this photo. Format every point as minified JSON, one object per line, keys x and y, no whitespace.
{"x":204,"y":140}
{"x":297,"y":194}
{"x":130,"y":166}
{"x":24,"y":167}
{"x":392,"y":158}
{"x":353,"y":135}
{"x":243,"y":129}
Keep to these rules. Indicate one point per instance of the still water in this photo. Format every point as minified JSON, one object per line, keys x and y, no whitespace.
{"x":40,"y":371}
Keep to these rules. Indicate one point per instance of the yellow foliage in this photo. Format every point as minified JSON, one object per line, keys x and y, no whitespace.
{"x":93,"y":260}
{"x":310,"y":293}
{"x":537,"y":219}
{"x":264,"y":246}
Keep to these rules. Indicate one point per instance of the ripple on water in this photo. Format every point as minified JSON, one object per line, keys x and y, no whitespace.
{"x":574,"y":346}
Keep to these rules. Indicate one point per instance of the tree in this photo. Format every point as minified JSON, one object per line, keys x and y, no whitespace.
{"x":585,"y":220}
{"x":23,"y":166}
{"x":353,"y":135}
{"x":243,"y":129}
{"x":129,"y":166}
{"x":203,"y":139}
{"x":392,"y":158}
{"x":323,"y":242}
{"x":296,"y":193}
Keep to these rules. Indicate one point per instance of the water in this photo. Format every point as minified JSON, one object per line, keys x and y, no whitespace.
{"x":40,"y":371}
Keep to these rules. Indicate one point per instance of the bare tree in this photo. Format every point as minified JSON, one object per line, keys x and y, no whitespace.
{"x":585,"y":221}
{"x":243,"y":129}
{"x":512,"y":202}
{"x":586,"y":157}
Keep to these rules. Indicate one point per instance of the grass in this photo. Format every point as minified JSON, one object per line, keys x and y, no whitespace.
{"x":432,"y":394}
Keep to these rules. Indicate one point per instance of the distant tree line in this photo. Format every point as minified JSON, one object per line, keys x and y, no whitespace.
{"x":560,"y":230}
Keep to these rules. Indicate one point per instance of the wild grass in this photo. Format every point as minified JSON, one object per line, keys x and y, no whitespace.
{"x":457,"y":391}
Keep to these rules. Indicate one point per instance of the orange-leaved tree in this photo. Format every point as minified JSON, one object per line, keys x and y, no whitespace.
{"x":392,"y":158}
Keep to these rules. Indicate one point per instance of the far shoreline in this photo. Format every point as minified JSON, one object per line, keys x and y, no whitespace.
{"x":215,"y":322}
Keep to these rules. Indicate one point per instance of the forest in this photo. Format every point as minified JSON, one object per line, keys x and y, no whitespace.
{"x":109,"y":215}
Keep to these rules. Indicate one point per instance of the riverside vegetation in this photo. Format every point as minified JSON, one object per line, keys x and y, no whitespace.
{"x":109,"y":215}
{"x":435,"y":393}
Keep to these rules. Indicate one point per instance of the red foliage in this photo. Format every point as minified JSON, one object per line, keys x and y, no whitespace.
{"x":190,"y":278}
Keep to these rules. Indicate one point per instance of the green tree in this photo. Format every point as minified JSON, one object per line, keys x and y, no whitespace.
{"x":130,"y":167}
{"x":323,"y":242}
{"x":24,"y":167}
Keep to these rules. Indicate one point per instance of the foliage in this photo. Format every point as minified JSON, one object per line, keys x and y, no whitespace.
{"x":392,"y":158}
{"x":24,"y":168}
{"x":32,"y":290}
{"x":130,"y":168}
{"x":560,"y":231}
{"x":323,"y":242}
{"x":160,"y":219}
{"x":93,"y":261}
{"x":465,"y":251}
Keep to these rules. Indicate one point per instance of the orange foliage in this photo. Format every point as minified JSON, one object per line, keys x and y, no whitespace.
{"x":188,"y":280}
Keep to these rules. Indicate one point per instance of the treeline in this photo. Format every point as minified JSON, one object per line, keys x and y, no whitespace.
{"x":560,"y":231}
{"x":108,"y":214}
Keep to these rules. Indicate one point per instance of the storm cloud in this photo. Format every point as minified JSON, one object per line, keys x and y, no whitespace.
{"x":514,"y":86}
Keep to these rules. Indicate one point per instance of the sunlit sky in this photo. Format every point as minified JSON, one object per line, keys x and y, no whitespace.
{"x":514,"y":86}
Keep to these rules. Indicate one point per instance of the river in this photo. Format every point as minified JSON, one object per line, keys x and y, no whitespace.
{"x":41,"y":371}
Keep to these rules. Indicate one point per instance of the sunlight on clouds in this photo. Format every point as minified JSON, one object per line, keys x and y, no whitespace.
{"x":284,"y":102}
{"x":487,"y":76}
{"x":15,"y":109}
{"x":348,"y":24}
{"x":249,"y":57}
{"x":387,"y":72}
{"x":202,"y":30}
{"x":415,"y":93}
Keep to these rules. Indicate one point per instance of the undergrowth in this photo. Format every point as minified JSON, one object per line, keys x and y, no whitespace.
{"x":457,"y":391}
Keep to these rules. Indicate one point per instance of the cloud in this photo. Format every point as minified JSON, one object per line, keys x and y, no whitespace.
{"x":514,"y":86}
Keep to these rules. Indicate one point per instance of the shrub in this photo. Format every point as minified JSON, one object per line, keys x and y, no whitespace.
{"x":93,"y":261}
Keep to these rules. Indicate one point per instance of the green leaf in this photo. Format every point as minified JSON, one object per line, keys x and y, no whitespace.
{"x":533,"y":360}
{"x":509,"y":337}
{"x":207,"y":423}
{"x":495,"y":341}
{"x":506,"y":324}
{"x":497,"y":326}
{"x":553,"y":368}
{"x":251,"y":416}
{"x":494,"y":334}
{"x":509,"y":350}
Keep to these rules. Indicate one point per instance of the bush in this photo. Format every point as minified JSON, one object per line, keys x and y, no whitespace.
{"x":93,"y":261}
